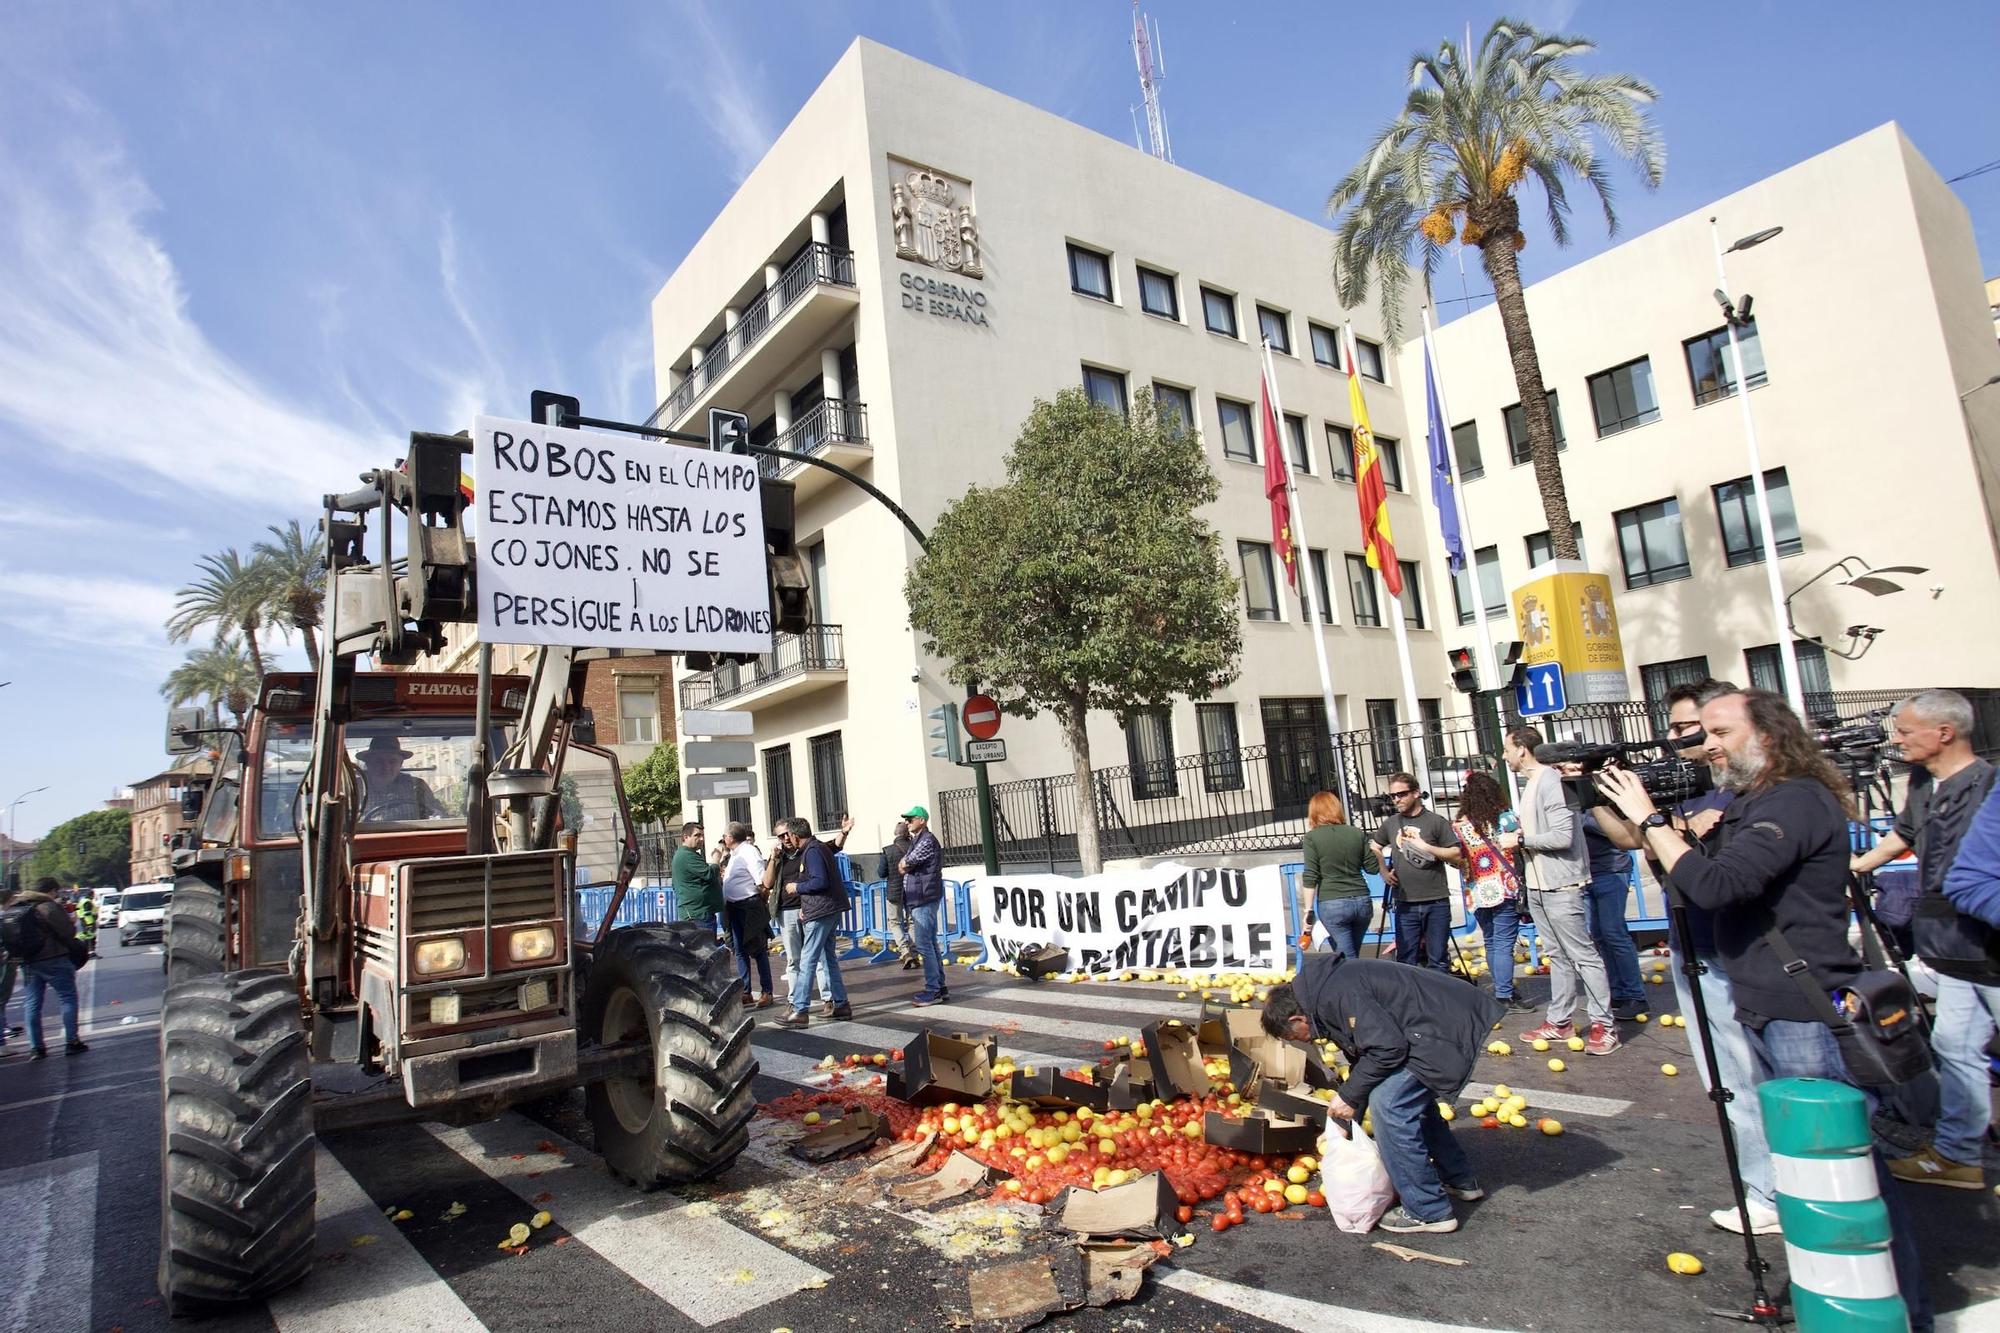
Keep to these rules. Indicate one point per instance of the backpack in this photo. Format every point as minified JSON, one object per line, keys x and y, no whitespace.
{"x":22,"y":935}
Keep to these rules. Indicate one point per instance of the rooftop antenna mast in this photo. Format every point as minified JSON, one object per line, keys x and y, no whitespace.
{"x":1152,"y":60}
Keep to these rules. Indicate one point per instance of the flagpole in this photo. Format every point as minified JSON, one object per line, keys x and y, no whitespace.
{"x":1312,"y":620}
{"x":1396,"y":625}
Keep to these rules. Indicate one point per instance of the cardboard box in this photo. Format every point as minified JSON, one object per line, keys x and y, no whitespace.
{"x":959,"y":1175}
{"x":939,"y":1069}
{"x":1141,"y":1209}
{"x":1126,"y":1092}
{"x":1174,"y":1060}
{"x":857,"y":1128}
{"x":1295,"y":1102}
{"x":1049,"y":1088}
{"x":1044,"y":960}
{"x":1259,"y":1133}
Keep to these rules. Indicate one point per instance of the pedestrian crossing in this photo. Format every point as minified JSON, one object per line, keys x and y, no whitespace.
{"x":48,"y":1213}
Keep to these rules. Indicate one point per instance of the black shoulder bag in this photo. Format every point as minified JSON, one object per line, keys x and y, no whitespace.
{"x":1878,"y":1020}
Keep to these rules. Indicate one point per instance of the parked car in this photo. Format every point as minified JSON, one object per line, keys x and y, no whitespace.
{"x":142,"y":914}
{"x":1448,"y":773}
{"x":107,"y":907}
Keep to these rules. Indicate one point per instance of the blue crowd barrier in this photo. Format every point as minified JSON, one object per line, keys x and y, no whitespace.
{"x":1377,"y":935}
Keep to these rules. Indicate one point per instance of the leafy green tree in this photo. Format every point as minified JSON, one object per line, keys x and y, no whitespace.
{"x":92,"y":849}
{"x":1476,"y":127}
{"x":293,"y":567}
{"x":653,"y":785}
{"x":232,"y":595}
{"x":222,"y":675}
{"x":1087,"y":581}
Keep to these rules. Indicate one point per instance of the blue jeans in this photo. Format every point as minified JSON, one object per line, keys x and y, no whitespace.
{"x":1416,"y":1144}
{"x":58,"y":974}
{"x":1501,"y":926}
{"x":1428,"y":924}
{"x":818,"y":953}
{"x":1738,"y":1068}
{"x":1808,"y":1050}
{"x":1967,"y":1015}
{"x":1604,"y":901}
{"x":794,"y":931}
{"x":924,"y":927}
{"x":1346,"y":920}
{"x":748,"y":944}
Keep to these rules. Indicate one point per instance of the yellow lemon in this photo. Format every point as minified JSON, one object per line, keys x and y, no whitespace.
{"x":1683,"y":1263}
{"x":1557,"y":1066}
{"x":1501,"y":1090}
{"x":812,"y":1117}
{"x":1669,"y":1070}
{"x":1576,"y":1043}
{"x":1298,"y":1175}
{"x":1550,"y":1126}
{"x":1296,"y":1193}
{"x":1541,"y":1043}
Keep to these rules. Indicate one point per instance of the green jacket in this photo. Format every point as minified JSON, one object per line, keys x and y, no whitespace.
{"x":1336,"y":856}
{"x":697,"y":885}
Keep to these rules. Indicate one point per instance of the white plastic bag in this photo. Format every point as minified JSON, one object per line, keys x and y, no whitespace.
{"x":1352,"y":1177}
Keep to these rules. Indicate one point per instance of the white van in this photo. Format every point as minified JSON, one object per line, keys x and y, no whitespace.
{"x":142,"y":914}
{"x":107,"y":907}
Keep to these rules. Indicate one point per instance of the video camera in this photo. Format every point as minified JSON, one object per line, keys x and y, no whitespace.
{"x":1861,"y":738}
{"x":1667,"y":779}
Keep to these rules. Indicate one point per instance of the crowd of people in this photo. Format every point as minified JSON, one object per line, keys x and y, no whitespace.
{"x":1761,"y":865}
{"x":44,"y":940}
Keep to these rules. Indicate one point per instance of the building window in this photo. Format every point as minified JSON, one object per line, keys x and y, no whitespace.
{"x":1386,"y":733}
{"x":829,"y":768}
{"x":1159,"y":294}
{"x":1361,"y":592}
{"x":1105,"y":387}
{"x":1491,"y":588}
{"x":1221,"y":747}
{"x":1742,"y":534}
{"x":1622,"y":397}
{"x":1260,"y":587}
{"x":1541,"y":550}
{"x":1651,"y":543}
{"x":1295,"y":436}
{"x":778,"y":799}
{"x":1219,"y":310}
{"x":1413,"y":595}
{"x":1517,"y":429}
{"x":1465,"y":445}
{"x":1322,"y":590}
{"x":1340,"y":448}
{"x":1391,"y":453}
{"x":1238,"y":439}
{"x":1767,"y":668}
{"x":1368,"y":360}
{"x":1276,"y":326}
{"x":1149,"y":745}
{"x":1712,"y":374}
{"x":1431,"y":713}
{"x":816,"y":573}
{"x":1089,"y":273}
{"x":639,"y":711}
{"x":1175,"y":407}
{"x":736,"y":810}
{"x":1657,"y":678}
{"x":1326,"y":345}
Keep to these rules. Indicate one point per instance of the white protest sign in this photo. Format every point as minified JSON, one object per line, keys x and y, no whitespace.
{"x":1184,"y":918}
{"x":604,"y":541}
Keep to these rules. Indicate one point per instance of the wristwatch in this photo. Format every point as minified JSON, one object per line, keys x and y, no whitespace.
{"x":1654,"y":820}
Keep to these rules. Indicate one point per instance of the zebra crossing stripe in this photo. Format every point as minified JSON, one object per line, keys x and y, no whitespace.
{"x":1034,"y":1024}
{"x":1295,"y":1312}
{"x":698,"y":1263}
{"x":48,"y":1212}
{"x":1571,"y":1102}
{"x":944,"y":1019}
{"x":379,"y":1279}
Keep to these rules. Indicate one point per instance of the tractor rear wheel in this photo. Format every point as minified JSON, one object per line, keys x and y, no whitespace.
{"x":674,"y":987}
{"x":196,"y":931}
{"x":236,"y":1141}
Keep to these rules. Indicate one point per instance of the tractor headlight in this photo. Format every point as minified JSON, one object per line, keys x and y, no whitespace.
{"x":529,"y":946}
{"x":435,"y":956}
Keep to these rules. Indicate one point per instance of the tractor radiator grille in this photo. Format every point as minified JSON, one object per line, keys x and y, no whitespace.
{"x":451,"y":895}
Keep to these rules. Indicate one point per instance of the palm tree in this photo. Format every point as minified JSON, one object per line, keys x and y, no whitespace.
{"x":1451,"y":166}
{"x":233,"y":594}
{"x":295,"y":566}
{"x":224,"y":674}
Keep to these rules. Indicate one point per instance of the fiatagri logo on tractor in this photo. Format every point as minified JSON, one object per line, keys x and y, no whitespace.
{"x":422,"y":689}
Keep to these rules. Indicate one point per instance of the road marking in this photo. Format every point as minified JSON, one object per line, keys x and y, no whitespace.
{"x":701,"y":1265}
{"x":381,"y":1282}
{"x":77,"y":1092}
{"x":1972,"y":1319}
{"x":1298,"y":1313}
{"x":1574,"y":1103}
{"x":1061,"y":995}
{"x":48,"y":1212}
{"x":1029,"y":1023}
{"x":942,"y":1019}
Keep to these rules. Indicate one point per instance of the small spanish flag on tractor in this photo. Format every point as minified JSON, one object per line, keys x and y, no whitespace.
{"x":465,"y":486}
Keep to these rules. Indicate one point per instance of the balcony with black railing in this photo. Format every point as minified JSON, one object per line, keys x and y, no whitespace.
{"x":777,"y":326}
{"x":835,"y":430}
{"x":797,"y":664}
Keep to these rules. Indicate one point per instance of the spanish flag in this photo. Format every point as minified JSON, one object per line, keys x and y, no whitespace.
{"x":465,"y":486}
{"x":1369,"y":488}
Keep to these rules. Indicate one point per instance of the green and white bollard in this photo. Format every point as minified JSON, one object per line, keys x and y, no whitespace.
{"x":1836,"y":1225}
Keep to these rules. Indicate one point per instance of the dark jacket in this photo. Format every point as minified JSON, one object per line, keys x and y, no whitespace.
{"x":57,"y":928}
{"x":923,"y":884}
{"x":1388,"y":1016}
{"x":822,"y":890}
{"x":1779,"y":858}
{"x":890,"y":868}
{"x":697,"y":885}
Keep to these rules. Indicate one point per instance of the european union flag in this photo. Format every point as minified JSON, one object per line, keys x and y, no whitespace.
{"x":1441,"y":488}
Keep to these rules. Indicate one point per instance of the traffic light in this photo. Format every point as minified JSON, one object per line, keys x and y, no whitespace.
{"x":791,"y":597}
{"x":946,"y":743}
{"x":1512,"y":668}
{"x":1464,"y":675}
{"x":728,"y":432}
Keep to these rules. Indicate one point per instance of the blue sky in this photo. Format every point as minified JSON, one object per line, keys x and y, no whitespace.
{"x":244,"y":248}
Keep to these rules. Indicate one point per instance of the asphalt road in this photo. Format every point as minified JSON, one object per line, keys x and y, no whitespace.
{"x":1571,"y":1236}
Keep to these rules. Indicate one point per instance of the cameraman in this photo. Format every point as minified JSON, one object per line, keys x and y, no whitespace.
{"x":1779,"y":866}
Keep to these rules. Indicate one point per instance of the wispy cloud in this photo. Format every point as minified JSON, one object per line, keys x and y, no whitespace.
{"x":951,"y":36}
{"x":120,"y":617}
{"x":32,"y":518}
{"x":722,"y":88}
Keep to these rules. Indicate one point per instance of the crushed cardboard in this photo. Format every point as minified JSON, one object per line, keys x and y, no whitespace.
{"x":1050,"y":1089}
{"x":1126,"y":1092}
{"x":1114,"y":1272}
{"x":1175,"y":1060}
{"x":938,"y":1069}
{"x":1016,"y":1295}
{"x":1141,"y":1209}
{"x":857,"y":1128}
{"x":1020,"y":1295}
{"x":959,"y":1175}
{"x":902,"y":1158}
{"x":1258,"y":1132}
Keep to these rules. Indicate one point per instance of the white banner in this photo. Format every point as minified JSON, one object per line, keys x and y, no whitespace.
{"x":1170,"y":917}
{"x":608,"y":541}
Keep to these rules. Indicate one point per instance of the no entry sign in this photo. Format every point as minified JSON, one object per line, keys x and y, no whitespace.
{"x":981,"y":716}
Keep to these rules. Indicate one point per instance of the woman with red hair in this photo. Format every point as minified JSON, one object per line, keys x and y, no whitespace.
{"x":1337,"y":854}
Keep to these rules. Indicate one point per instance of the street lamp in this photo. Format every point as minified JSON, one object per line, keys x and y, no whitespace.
{"x":7,"y":863}
{"x":1732,"y":316}
{"x":1875,"y":580}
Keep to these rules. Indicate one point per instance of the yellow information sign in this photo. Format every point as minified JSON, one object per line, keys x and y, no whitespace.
{"x":1568,"y":617}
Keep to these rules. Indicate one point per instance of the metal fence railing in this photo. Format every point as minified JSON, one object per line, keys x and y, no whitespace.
{"x":1254,"y":799}
{"x":815,"y":648}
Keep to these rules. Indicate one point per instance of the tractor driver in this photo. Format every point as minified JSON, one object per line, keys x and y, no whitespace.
{"x":392,"y":793}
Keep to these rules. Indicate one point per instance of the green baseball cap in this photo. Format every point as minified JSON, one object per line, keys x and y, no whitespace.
{"x":916,"y":812}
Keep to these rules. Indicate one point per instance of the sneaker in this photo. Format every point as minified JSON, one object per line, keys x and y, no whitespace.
{"x":1927,"y":1166}
{"x":1603,"y":1040}
{"x":1470,"y":1193}
{"x":1763,"y":1219}
{"x":841,"y":1011}
{"x":1516,"y":1005}
{"x":37,"y":1053}
{"x":798,"y":1018}
{"x":76,"y":1048}
{"x":1399,"y":1219}
{"x":924,"y":999}
{"x":1628,"y":1009}
{"x":1550,"y":1032}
